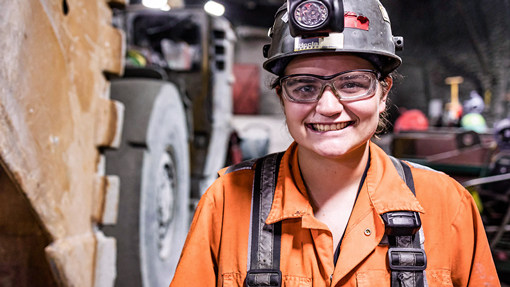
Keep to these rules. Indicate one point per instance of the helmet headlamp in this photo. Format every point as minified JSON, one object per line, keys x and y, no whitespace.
{"x":311,"y":18}
{"x":311,"y":14}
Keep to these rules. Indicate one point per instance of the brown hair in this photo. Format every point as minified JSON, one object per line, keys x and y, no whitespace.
{"x":383,"y":123}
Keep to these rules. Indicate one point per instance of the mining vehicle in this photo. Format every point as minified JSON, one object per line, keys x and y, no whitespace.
{"x":102,"y":162}
{"x":177,"y":93}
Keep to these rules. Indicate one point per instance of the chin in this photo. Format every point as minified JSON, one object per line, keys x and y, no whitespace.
{"x":337,"y":150}
{"x":332,"y":155}
{"x":331,"y":150}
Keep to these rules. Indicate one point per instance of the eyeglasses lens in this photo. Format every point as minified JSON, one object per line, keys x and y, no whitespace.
{"x":348,"y":86}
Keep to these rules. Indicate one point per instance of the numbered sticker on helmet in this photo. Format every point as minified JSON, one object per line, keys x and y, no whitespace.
{"x":333,"y":41}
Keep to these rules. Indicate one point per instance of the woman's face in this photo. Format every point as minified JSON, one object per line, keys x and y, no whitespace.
{"x":330,"y":127}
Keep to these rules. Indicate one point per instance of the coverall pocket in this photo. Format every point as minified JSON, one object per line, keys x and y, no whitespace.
{"x":296,"y":281}
{"x":232,"y":279}
{"x":439,"y":277}
{"x":373,"y":278}
{"x":382,"y":278}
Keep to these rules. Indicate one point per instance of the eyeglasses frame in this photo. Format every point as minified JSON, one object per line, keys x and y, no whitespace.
{"x":328,"y":78}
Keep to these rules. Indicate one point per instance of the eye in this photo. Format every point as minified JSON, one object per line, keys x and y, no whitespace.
{"x":353,"y":85}
{"x":305,"y":89}
{"x":302,"y":88}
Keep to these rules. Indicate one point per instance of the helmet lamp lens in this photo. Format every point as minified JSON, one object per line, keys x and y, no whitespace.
{"x":311,"y":14}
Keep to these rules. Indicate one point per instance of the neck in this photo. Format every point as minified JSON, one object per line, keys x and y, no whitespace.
{"x":326,"y":178}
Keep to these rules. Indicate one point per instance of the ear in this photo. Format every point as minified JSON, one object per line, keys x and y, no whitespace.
{"x":279,"y":93}
{"x":384,"y":96}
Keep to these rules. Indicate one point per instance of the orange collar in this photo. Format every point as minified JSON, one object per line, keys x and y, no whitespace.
{"x":382,"y":190}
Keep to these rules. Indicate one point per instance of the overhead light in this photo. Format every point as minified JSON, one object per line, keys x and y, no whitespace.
{"x":156,"y":4}
{"x":166,"y":8}
{"x":214,"y":8}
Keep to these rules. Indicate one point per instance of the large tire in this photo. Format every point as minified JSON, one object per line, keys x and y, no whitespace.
{"x":153,"y":165}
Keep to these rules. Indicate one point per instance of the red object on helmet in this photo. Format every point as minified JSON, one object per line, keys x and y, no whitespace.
{"x":411,"y":120}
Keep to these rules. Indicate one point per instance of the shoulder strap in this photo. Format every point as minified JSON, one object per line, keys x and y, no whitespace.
{"x":264,"y":241}
{"x":404,"y":172}
{"x":406,"y":254}
{"x":247,"y":164}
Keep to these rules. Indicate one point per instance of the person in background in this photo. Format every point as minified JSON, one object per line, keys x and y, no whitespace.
{"x":334,"y":209}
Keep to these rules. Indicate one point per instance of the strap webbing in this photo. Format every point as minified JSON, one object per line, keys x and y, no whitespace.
{"x":248,"y":164}
{"x":405,"y":173}
{"x":407,"y":250}
{"x":265,"y":240}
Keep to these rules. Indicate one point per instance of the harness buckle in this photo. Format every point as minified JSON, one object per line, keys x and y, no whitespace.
{"x":407,"y":259}
{"x":264,"y":277}
{"x":401,"y":223}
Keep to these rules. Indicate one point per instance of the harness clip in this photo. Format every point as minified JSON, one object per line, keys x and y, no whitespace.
{"x":401,"y":223}
{"x":407,"y":259}
{"x":264,"y":277}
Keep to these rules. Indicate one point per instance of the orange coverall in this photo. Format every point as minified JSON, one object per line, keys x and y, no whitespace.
{"x":216,"y":250}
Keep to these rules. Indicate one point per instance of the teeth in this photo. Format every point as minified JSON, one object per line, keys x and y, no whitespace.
{"x":332,"y":127}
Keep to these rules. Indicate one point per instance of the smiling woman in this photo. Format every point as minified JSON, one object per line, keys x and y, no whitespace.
{"x":334,"y":209}
{"x":314,"y":124}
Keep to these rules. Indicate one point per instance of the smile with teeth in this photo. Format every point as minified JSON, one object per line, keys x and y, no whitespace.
{"x":330,"y":127}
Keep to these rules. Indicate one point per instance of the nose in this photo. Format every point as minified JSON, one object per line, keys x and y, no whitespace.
{"x":329,"y":105}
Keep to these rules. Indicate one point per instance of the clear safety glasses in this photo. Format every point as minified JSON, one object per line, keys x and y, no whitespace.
{"x":348,"y":86}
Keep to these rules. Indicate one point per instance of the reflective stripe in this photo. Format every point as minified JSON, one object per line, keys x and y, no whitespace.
{"x":399,"y":168}
{"x":420,"y":166}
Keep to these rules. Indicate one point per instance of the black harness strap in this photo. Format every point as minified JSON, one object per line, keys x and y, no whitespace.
{"x":265,"y":240}
{"x":406,"y":254}
{"x":248,"y":164}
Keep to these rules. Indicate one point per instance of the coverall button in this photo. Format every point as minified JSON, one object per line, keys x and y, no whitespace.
{"x":368,"y":232}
